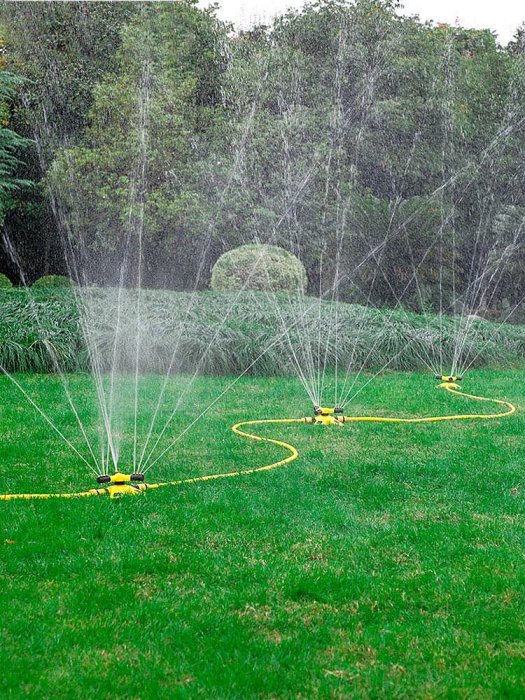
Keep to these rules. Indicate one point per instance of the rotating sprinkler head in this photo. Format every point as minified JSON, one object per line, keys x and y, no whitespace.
{"x":122,"y":484}
{"x":327,"y":416}
{"x":449,"y":380}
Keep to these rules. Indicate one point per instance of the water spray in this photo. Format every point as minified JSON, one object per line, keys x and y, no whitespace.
{"x":132,"y":484}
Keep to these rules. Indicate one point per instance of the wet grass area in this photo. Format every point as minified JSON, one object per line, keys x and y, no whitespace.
{"x":387,"y":561}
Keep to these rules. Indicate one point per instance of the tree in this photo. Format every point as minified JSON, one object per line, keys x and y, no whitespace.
{"x":166,"y":91}
{"x":517,"y":45}
{"x":356,"y":138}
{"x":359,"y":110}
{"x":62,"y":50}
{"x":11,"y":144}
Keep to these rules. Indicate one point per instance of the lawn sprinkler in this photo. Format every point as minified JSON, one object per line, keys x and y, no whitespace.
{"x":123,"y":484}
{"x":327,"y":416}
{"x":449,"y":379}
{"x":118,"y":484}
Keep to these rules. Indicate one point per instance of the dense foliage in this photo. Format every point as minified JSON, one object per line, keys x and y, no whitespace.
{"x":52,"y":281}
{"x":62,"y":49}
{"x":41,"y":329}
{"x":371,"y":145}
{"x":11,"y":145}
{"x":5,"y":282}
{"x":259,"y":267}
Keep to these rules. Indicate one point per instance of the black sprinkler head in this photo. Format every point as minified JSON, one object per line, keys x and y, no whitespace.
{"x":104,"y":479}
{"x":136,"y":477}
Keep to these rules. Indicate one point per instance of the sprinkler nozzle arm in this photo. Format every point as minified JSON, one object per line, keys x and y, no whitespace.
{"x":448,"y":378}
{"x":325,"y":411}
{"x":119,"y":478}
{"x":327,"y":416}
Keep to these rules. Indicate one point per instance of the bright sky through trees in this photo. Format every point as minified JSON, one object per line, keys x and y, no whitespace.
{"x":503,"y":16}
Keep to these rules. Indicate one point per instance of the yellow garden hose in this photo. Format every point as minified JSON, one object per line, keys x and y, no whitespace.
{"x":243,"y":472}
{"x":208,"y":477}
{"x":434,"y":419}
{"x":43,"y":496}
{"x":293,"y":453}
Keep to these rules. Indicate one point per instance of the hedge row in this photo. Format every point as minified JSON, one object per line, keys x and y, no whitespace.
{"x":41,"y":329}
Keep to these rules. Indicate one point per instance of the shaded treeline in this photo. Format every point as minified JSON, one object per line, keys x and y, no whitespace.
{"x":379,"y":149}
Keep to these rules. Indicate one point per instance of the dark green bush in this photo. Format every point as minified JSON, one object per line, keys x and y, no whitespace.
{"x":5,"y":282}
{"x":53,"y":281}
{"x":259,"y":268}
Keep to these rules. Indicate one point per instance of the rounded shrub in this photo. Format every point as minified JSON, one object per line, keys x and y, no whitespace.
{"x":5,"y":282}
{"x":259,"y":267}
{"x":53,"y":281}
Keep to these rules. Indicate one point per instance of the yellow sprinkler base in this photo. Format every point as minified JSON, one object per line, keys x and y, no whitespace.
{"x":123,"y":484}
{"x":326,"y":416}
{"x":449,"y":381}
{"x":448,"y":378}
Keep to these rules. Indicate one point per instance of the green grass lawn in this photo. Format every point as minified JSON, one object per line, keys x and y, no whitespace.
{"x":386,"y":562}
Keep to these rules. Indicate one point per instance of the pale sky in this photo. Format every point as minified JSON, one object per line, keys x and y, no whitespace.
{"x":502,"y":16}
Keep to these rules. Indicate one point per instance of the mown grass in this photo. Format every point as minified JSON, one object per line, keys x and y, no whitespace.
{"x":227,"y":333}
{"x":386,"y":562}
